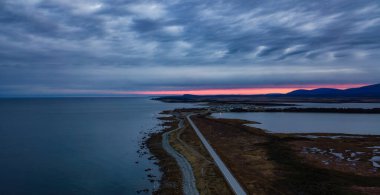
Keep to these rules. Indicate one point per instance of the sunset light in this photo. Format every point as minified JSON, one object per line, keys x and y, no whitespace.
{"x":245,"y":91}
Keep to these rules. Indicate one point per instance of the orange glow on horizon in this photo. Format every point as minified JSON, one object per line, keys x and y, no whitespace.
{"x":245,"y":91}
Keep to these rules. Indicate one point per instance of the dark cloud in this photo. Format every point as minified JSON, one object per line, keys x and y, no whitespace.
{"x":144,"y":25}
{"x":52,"y":45}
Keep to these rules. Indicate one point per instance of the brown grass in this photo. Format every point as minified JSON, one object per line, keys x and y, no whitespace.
{"x":263,"y":163}
{"x":240,"y":148}
{"x":361,"y":166}
{"x":208,"y":178}
{"x":270,"y":164}
{"x":171,"y":180}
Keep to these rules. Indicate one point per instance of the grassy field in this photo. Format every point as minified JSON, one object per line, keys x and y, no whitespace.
{"x":269,"y":163}
{"x":208,"y":178}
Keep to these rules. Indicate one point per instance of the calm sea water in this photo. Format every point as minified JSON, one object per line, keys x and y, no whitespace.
{"x":331,"y":105}
{"x":285,"y":122}
{"x":76,"y":145}
{"x":337,"y":105}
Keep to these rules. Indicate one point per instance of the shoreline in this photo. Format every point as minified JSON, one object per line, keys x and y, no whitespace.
{"x":285,"y":160}
{"x":188,"y":179}
{"x":207,"y":177}
{"x":171,"y":178}
{"x":312,"y":110}
{"x":301,"y":153}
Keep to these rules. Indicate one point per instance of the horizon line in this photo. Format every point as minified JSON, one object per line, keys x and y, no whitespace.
{"x":247,"y":91}
{"x":208,"y":91}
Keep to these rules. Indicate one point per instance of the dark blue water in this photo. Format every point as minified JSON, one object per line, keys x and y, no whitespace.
{"x":338,"y":105}
{"x":76,"y":145}
{"x":287,"y":122}
{"x":331,"y":105}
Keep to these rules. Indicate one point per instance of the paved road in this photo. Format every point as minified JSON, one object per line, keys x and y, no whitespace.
{"x":231,"y":180}
{"x":189,"y":186}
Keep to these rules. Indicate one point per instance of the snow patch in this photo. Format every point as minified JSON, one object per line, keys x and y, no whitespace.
{"x":375,"y":161}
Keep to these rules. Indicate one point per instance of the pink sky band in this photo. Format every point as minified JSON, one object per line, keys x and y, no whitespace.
{"x":245,"y":91}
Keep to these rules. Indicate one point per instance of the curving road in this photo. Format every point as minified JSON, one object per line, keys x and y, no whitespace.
{"x":231,"y":180}
{"x":189,"y":186}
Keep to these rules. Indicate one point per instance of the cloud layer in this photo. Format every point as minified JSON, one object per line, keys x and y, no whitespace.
{"x":50,"y":46}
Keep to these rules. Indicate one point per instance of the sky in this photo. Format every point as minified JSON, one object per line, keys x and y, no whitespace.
{"x":119,"y":47}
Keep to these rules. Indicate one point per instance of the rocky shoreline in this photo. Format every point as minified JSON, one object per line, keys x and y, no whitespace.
{"x":171,"y":179}
{"x":284,"y":159}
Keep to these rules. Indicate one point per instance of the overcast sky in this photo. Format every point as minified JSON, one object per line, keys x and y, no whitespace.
{"x":100,"y":47}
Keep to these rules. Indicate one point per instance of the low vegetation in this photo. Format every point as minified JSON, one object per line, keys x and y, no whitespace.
{"x":271,"y":163}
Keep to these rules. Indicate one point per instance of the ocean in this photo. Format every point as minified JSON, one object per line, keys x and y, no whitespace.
{"x":77,"y":145}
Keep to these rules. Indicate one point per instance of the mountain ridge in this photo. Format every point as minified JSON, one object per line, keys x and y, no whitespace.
{"x":369,"y":93}
{"x":365,"y":91}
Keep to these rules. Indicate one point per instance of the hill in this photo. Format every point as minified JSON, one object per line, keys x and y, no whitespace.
{"x":366,"y":91}
{"x":369,"y":93}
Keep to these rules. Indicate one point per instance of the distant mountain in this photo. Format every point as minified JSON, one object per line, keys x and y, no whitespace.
{"x":320,"y":91}
{"x":370,"y":93}
{"x":366,"y":91}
